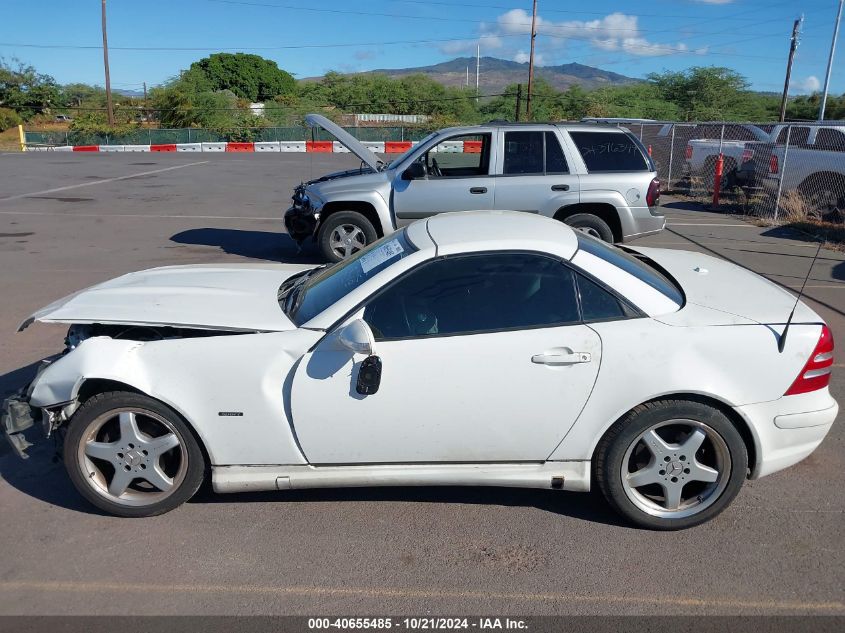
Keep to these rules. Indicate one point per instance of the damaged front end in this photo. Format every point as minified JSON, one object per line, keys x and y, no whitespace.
{"x":23,"y":423}
{"x":302,"y":218}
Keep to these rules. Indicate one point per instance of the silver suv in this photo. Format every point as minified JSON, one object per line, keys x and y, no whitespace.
{"x":598,"y":179}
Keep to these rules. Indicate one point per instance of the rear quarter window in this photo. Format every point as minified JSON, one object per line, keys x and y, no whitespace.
{"x":609,"y":152}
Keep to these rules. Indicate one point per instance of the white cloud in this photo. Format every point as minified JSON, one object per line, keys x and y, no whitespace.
{"x":488,"y":42}
{"x":614,"y":32}
{"x":807,"y":85}
{"x":522,"y":57}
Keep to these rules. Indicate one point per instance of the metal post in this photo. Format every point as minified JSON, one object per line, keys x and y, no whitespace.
{"x":189,"y":135}
{"x":671,"y":157}
{"x":721,"y":138}
{"x":22,"y":137}
{"x":830,"y":60}
{"x":641,"y":132}
{"x":782,"y":171}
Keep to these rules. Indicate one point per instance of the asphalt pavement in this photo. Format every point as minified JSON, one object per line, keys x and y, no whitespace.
{"x":68,"y":221}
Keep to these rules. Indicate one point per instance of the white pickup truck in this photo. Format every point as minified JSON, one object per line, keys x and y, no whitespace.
{"x":812,"y":163}
{"x":702,"y":152}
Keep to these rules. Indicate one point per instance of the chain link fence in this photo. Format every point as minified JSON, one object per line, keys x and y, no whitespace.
{"x":782,"y":172}
{"x":156,"y":136}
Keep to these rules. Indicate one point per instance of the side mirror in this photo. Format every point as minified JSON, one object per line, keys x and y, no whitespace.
{"x":357,"y":337}
{"x":415,"y":171}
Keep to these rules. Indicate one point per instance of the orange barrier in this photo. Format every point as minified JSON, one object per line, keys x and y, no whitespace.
{"x":86,"y":148}
{"x":396,"y":147}
{"x":323,"y":147}
{"x":240,"y":147}
{"x":163,"y":147}
{"x":472,"y":147}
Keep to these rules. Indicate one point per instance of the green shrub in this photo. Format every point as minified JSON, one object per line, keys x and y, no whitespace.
{"x":9,"y":118}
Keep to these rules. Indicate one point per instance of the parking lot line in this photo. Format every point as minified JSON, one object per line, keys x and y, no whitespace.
{"x":141,"y":215}
{"x":399,"y":592}
{"x":101,"y":182}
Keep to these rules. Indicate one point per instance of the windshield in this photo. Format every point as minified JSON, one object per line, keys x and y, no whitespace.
{"x":308,"y":295}
{"x":640,"y":267}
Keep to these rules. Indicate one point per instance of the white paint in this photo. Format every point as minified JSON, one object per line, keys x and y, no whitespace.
{"x":101,"y":182}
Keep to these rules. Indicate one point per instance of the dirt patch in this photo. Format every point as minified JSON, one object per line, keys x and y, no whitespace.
{"x":16,"y":234}
{"x":60,"y":199}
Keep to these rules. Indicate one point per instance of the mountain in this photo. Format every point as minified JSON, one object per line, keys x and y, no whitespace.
{"x":496,"y":74}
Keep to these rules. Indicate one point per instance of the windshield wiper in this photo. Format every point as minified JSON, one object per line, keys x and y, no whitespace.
{"x":292,"y":294}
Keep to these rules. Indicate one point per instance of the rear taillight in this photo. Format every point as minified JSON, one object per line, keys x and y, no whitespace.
{"x":773,"y":164}
{"x":747,"y":155}
{"x":653,"y":195}
{"x":688,"y":152}
{"x":816,"y":373}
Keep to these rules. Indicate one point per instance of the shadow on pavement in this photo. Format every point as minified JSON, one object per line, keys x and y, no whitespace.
{"x":586,"y":506}
{"x":267,"y":245}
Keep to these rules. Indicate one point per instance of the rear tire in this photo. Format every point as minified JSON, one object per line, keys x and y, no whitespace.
{"x":671,"y":464}
{"x":591,"y":225}
{"x":343,"y":234}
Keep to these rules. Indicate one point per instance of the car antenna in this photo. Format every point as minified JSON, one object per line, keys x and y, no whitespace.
{"x":782,"y":340}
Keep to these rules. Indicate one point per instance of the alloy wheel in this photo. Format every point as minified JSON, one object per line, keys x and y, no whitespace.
{"x":346,"y":240}
{"x":676,"y":469}
{"x":132,"y":457}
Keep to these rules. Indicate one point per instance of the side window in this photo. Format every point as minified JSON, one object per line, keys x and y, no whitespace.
{"x":475,"y":293}
{"x":829,"y":139}
{"x":523,"y":153}
{"x":609,"y":151}
{"x":799,"y":135}
{"x":459,"y":156}
{"x":555,"y":160}
{"x":597,"y":304}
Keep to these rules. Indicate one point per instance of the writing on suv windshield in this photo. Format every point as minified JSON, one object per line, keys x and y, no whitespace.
{"x":307,"y":296}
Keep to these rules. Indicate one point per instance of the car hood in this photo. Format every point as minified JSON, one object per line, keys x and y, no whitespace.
{"x":232,"y":297}
{"x":720,"y":286}
{"x":345,"y":138}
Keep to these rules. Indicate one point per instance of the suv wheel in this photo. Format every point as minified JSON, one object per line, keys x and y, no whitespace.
{"x":343,"y":234}
{"x":591,"y":225}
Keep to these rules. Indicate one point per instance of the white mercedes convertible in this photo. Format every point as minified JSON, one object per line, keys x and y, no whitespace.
{"x":484,"y":348}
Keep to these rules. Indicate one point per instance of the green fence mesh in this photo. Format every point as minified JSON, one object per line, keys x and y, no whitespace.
{"x":152,"y":136}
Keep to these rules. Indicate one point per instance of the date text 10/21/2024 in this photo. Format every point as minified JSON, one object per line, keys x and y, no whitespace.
{"x":415,"y":624}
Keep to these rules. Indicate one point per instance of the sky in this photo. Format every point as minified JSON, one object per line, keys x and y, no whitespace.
{"x":152,"y":40}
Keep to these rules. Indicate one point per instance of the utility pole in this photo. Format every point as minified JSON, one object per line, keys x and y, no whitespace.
{"x":531,"y":62}
{"x":518,"y":100}
{"x":830,"y":61}
{"x":793,"y":45}
{"x":109,"y":105}
{"x":146,"y":104}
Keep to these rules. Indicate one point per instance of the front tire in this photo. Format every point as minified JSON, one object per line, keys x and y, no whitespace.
{"x":132,"y":456}
{"x":343,"y":234}
{"x":671,"y":464}
{"x":592,"y":225}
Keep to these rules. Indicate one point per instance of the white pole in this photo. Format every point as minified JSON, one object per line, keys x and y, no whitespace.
{"x":830,"y":60}
{"x":477,"y":68}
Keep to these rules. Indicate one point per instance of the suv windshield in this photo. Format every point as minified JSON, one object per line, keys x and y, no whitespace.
{"x":306,"y":295}
{"x":639,"y":266}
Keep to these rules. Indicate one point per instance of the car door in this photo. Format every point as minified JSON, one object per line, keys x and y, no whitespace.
{"x":532,"y":173}
{"x":458,"y":178}
{"x":484,"y":358}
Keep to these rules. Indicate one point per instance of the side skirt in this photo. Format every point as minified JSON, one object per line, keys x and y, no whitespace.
{"x":568,"y":475}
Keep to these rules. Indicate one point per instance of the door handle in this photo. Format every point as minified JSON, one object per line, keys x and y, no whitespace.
{"x":478,"y":189}
{"x":562,"y":359}
{"x":560,"y":187}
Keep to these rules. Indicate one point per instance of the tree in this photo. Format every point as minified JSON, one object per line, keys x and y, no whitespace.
{"x":248,"y":76}
{"x":25,"y":91}
{"x":704,"y":93}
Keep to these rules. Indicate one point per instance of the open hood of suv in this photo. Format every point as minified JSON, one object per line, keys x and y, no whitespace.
{"x":350,"y":142}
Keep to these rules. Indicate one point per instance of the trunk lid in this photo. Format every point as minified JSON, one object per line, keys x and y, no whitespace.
{"x":233,"y":297}
{"x":350,"y":142}
{"x":718,"y":285}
